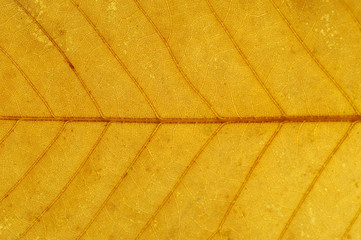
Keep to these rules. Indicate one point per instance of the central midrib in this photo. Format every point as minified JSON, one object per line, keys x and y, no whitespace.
{"x":261,"y":119}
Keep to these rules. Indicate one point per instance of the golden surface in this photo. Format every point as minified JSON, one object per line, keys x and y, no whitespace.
{"x":180,"y":119}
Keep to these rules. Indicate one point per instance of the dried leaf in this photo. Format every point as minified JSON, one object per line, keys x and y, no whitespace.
{"x":180,"y":119}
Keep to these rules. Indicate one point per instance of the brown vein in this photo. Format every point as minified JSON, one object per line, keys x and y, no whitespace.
{"x":178,"y":182}
{"x":106,"y":43}
{"x":64,"y":56}
{"x":9,"y":132}
{"x":248,"y":176}
{"x":226,"y":30}
{"x":116,"y":186}
{"x":11,"y":189}
{"x":318,"y":63}
{"x":48,"y":207}
{"x":318,"y":174}
{"x":351,"y":12}
{"x":261,"y":119}
{"x":184,"y":75}
{"x":349,"y":227}
{"x":28,"y":80}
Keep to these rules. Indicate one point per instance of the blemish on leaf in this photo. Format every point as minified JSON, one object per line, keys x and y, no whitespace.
{"x":71,"y":65}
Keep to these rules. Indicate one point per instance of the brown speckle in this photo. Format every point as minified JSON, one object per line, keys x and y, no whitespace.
{"x":71,"y":65}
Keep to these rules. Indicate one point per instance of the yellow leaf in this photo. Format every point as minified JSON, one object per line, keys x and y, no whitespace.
{"x":180,"y":119}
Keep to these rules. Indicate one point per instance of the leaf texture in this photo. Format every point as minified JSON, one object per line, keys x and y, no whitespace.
{"x":170,"y":119}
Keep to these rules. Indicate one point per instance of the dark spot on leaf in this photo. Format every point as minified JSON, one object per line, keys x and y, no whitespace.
{"x":71,"y":65}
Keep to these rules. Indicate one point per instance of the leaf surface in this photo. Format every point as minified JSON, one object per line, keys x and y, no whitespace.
{"x":175,"y":119}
